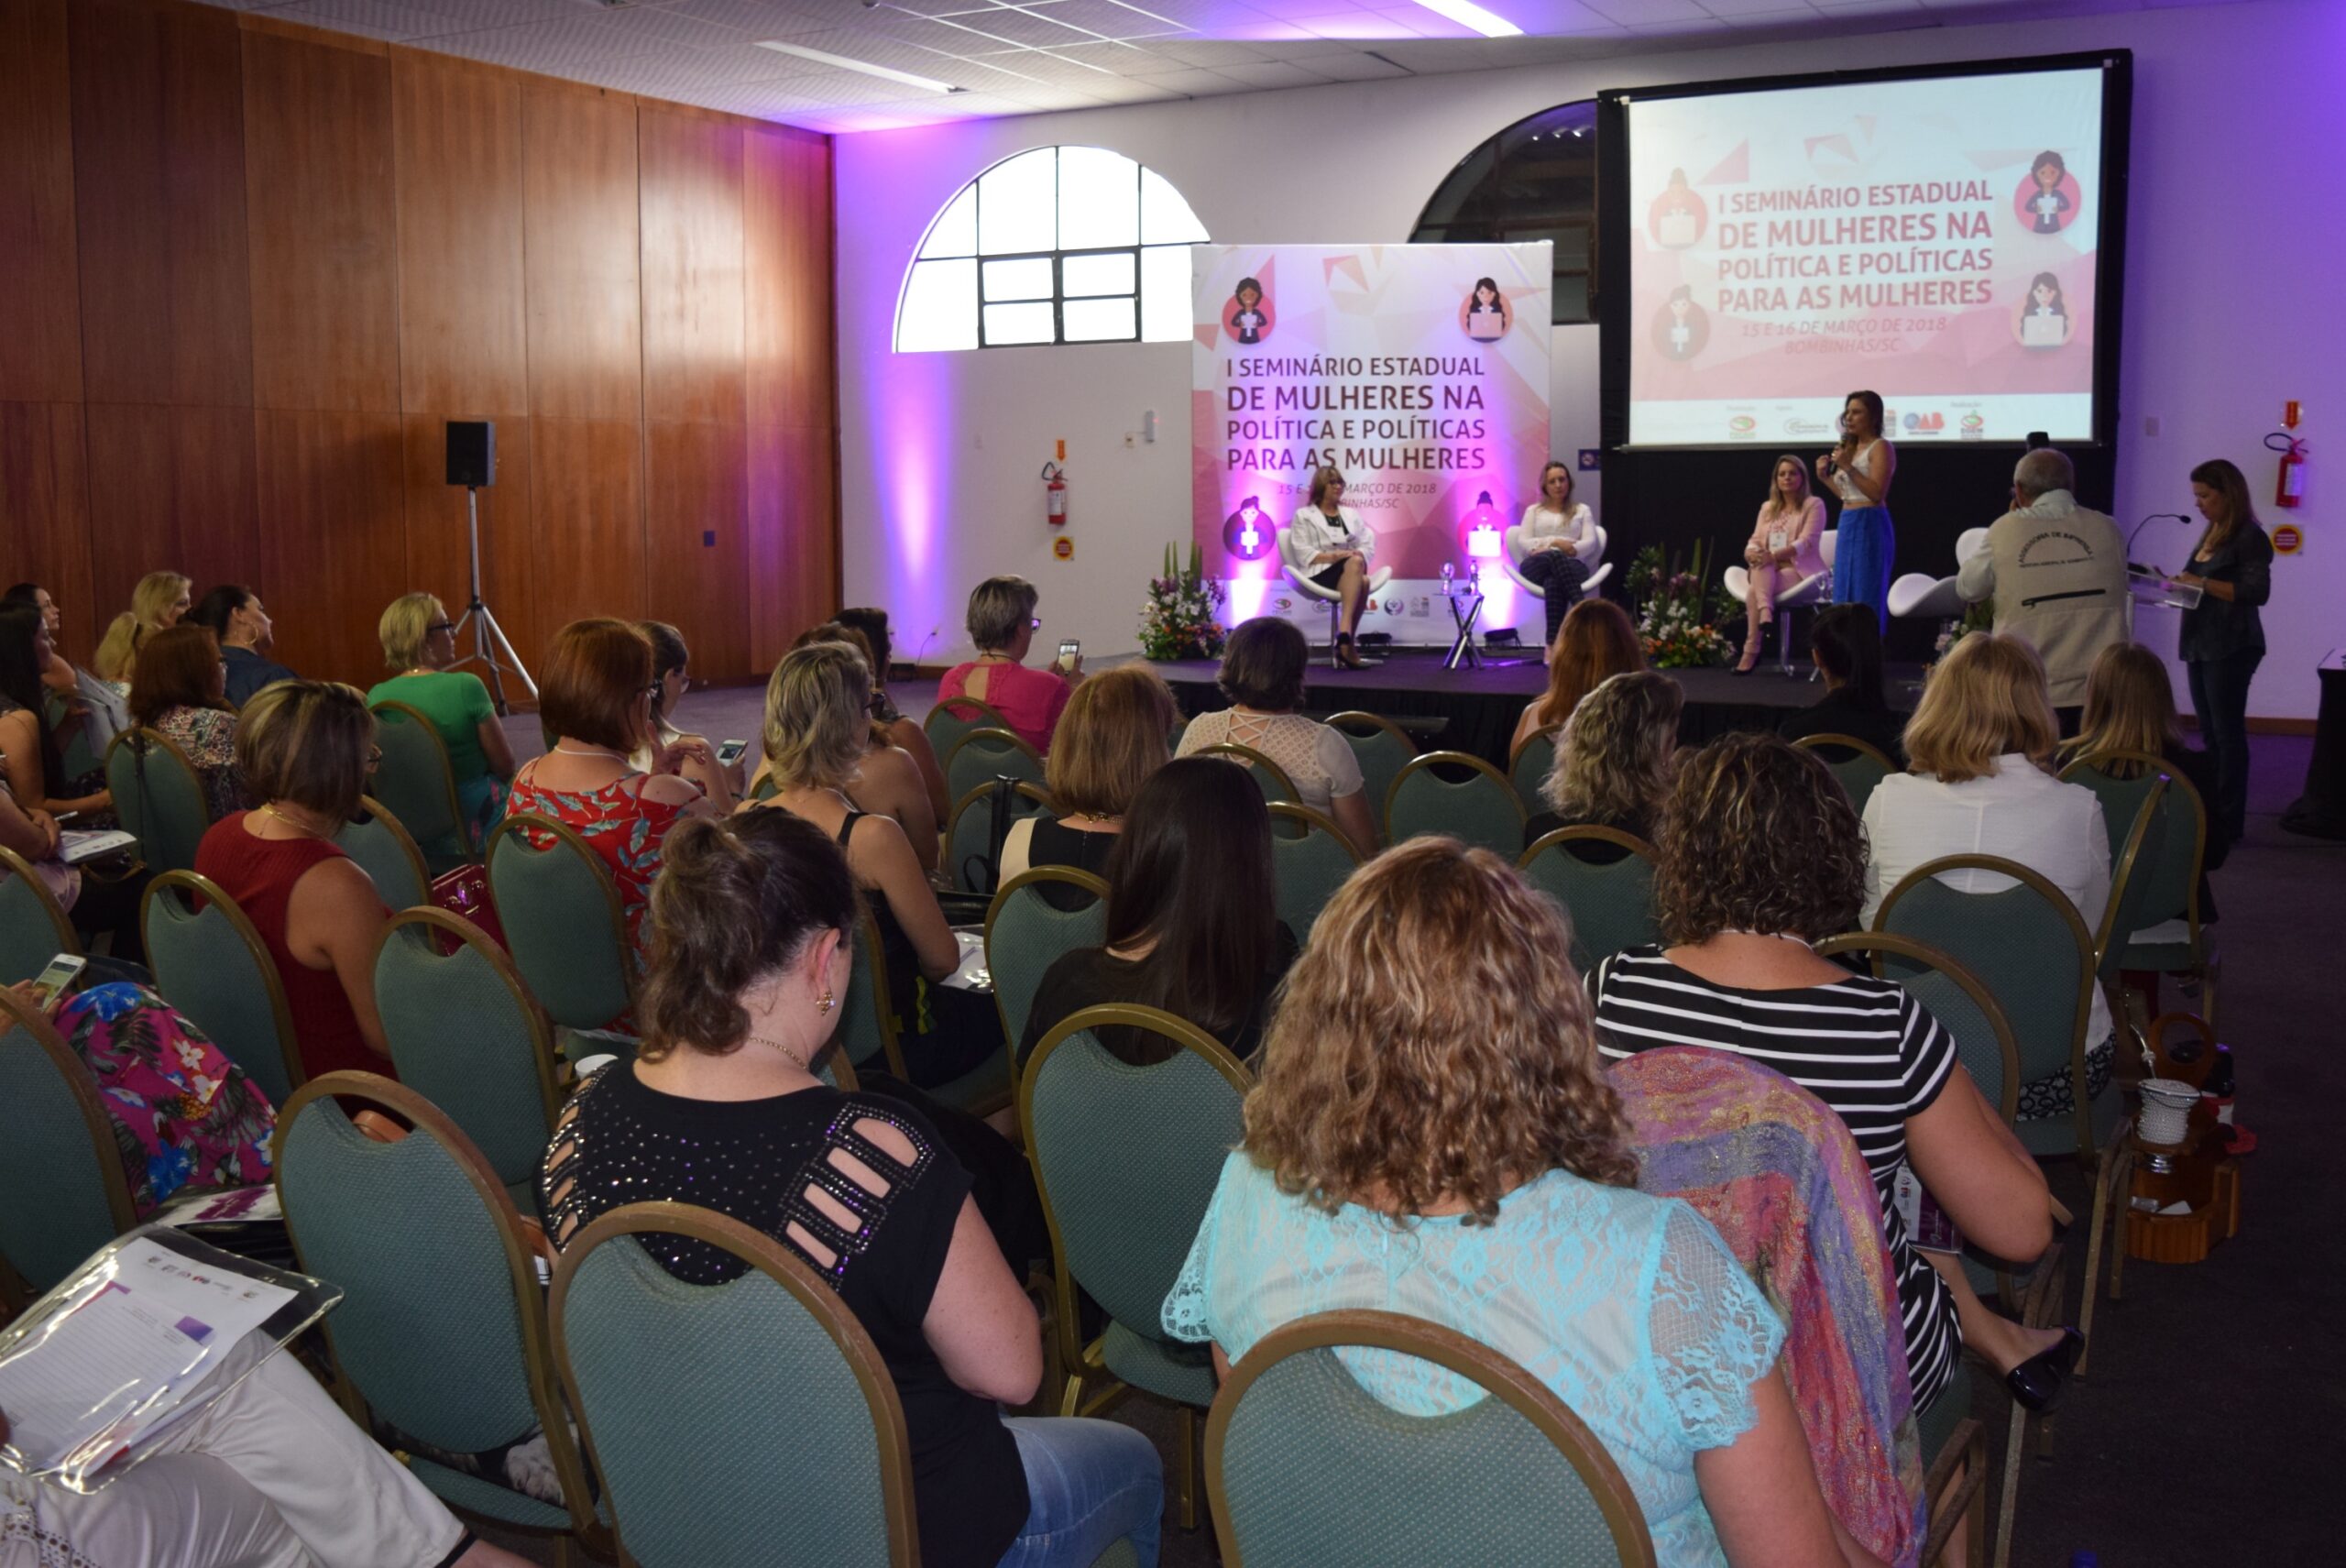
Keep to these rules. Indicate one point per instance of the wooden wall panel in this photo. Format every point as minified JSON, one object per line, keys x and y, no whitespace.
{"x":318,"y":170}
{"x":786,"y":266}
{"x":458,"y":150}
{"x":438,"y":548}
{"x":692,"y":322}
{"x":695,"y":551}
{"x":40,"y":346}
{"x":333,"y":539}
{"x":587,"y":494}
{"x":159,"y":159}
{"x":44,"y":514}
{"x":174,"y":489}
{"x":793,"y":554}
{"x":582,"y":269}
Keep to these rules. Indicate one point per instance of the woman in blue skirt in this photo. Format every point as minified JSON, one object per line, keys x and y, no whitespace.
{"x":1859,"y":471}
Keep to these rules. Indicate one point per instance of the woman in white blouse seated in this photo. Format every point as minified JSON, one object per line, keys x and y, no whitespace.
{"x":1556,"y":530}
{"x":1329,"y":538}
{"x":1262,"y":675}
{"x":1979,"y":753}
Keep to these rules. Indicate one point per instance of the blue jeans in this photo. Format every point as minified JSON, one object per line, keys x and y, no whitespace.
{"x":1863,"y":544}
{"x":1090,"y":1483}
{"x":2220,"y":696}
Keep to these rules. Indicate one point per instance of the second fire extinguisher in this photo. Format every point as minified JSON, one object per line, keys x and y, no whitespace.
{"x":1054,"y":495}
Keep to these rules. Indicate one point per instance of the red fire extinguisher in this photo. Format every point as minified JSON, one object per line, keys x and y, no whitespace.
{"x":2292,"y":487}
{"x":1054,"y":495}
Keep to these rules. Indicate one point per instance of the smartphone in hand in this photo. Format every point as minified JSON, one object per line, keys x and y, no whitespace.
{"x":731,"y":752}
{"x":1070,"y":652}
{"x":60,"y":975}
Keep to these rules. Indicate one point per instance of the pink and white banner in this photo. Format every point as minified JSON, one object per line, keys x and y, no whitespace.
{"x":1934,"y":240}
{"x":1418,"y":371}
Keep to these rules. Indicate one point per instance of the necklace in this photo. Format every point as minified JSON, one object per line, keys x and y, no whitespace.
{"x":301,"y":827}
{"x":787,"y":1054}
{"x":1779,"y":935}
{"x":592,"y":751}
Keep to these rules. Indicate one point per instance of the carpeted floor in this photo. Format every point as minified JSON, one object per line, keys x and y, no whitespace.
{"x":2206,"y":1432}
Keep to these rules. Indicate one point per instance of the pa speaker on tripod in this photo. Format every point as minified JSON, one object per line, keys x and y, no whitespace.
{"x":472,"y":463}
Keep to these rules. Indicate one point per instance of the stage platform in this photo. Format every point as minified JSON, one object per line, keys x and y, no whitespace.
{"x":1475,"y":711}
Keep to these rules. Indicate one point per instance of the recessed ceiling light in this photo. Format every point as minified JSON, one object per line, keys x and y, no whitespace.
{"x":926,"y":83}
{"x":1467,"y":14}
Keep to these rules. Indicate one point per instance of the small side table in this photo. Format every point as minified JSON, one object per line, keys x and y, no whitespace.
{"x":1465,"y":608}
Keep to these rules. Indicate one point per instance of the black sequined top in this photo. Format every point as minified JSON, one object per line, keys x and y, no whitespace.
{"x":621,"y":1142}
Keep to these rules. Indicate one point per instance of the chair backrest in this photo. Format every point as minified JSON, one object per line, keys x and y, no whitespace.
{"x":1268,"y":776}
{"x":2137,"y":860}
{"x":868,"y":1024}
{"x":1534,"y":760}
{"x":727,"y":1419}
{"x":63,"y":1192}
{"x":2170,"y":879}
{"x":1611,"y":905}
{"x":1305,"y":1467}
{"x":381,"y":844}
{"x":969,"y":857}
{"x":1858,"y":765}
{"x":560,"y":908}
{"x":416,"y":781}
{"x":442,"y":1329}
{"x":1309,"y":861}
{"x":1381,"y":747}
{"x":957,"y":717}
{"x":983,"y":755}
{"x":1025,"y":936}
{"x":1482,"y":808}
{"x":1126,"y":1157}
{"x":34,"y":928}
{"x":212,"y":965}
{"x":158,"y":796}
{"x":2025,"y":944}
{"x":466,"y":1034}
{"x":76,"y":756}
{"x":1958,"y":999}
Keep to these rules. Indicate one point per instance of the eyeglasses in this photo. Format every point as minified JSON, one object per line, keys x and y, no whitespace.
{"x":654,"y":690}
{"x":1035,"y":623}
{"x":374,"y":758}
{"x":440,"y":626}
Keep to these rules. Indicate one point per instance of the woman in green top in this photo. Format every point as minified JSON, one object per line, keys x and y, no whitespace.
{"x":420,"y":643}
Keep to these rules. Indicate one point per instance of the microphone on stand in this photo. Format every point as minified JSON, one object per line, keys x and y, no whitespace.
{"x":2155,"y":517}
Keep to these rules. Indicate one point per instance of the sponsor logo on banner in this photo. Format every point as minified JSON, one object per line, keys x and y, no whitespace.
{"x":1742,"y":427}
{"x":1283,"y":604}
{"x":1392,"y":607}
{"x":1420,"y":608}
{"x":1806,"y":427}
{"x":1975,"y":427}
{"x":1925,"y":425}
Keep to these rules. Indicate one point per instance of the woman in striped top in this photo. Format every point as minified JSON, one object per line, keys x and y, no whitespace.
{"x":1760,"y":855}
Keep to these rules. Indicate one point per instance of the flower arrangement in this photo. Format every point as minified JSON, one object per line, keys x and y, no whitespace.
{"x":1181,"y":618}
{"x":1980,"y":617}
{"x":1677,"y":619}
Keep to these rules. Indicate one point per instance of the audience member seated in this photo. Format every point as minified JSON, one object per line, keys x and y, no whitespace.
{"x":1111,"y":737}
{"x":671,"y":677}
{"x":270,"y":1472}
{"x":184,"y":1115}
{"x":29,"y":755}
{"x":245,"y":632}
{"x":1784,"y":552}
{"x":2067,"y":600}
{"x":419,"y":644}
{"x":1555,"y":530}
{"x":157,"y":603}
{"x":58,"y":674}
{"x":887,"y":781}
{"x":1979,"y":754}
{"x":1845,"y":642}
{"x":89,"y":701}
{"x":755,"y":918}
{"x":1262,"y":675}
{"x":1423,"y":1144}
{"x":1761,"y":857}
{"x":1002,"y":625}
{"x":1613,"y":763}
{"x":95,"y":904}
{"x":902,"y":731}
{"x":1190,"y":930}
{"x":1599,"y":642}
{"x":2130,"y":707}
{"x":306,"y":749}
{"x":175,"y":691}
{"x":818,"y":722}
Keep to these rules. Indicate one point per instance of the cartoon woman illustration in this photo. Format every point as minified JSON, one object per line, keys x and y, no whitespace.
{"x":2044,"y":314}
{"x":1485,"y":313}
{"x":1681,"y":327}
{"x":1678,"y":215}
{"x":2048,"y":202}
{"x":1244,"y":532}
{"x":1247,"y":318}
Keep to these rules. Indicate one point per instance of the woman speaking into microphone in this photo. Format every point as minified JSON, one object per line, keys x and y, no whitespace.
{"x":1859,"y":472}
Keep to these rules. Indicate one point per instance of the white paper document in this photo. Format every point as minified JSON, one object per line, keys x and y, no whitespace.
{"x":75,"y":845}
{"x":972,"y":975}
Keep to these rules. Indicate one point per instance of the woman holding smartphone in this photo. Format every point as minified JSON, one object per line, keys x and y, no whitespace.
{"x":1859,"y":471}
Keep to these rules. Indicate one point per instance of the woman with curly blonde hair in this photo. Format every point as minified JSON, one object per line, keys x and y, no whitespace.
{"x":1432,"y":1135}
{"x":1612,"y":762}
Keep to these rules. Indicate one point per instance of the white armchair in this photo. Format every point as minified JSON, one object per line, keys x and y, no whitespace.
{"x":1299,"y":571}
{"x":1519,"y":547}
{"x":1935,"y":598}
{"x":1814,"y":590}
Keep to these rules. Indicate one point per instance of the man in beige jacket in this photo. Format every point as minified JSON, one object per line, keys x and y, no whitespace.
{"x":2057,"y":574}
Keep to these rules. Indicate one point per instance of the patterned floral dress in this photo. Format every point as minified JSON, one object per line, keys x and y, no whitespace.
{"x":208,"y":736}
{"x":182,"y":1113}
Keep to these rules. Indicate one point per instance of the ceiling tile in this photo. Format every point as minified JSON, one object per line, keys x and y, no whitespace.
{"x":1351,"y":65}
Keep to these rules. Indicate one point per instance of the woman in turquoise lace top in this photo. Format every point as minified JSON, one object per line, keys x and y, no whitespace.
{"x":1431,"y":1136}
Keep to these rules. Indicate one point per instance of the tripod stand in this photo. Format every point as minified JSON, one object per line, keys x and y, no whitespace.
{"x":489,"y":638}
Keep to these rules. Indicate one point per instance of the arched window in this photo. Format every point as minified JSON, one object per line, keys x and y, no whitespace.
{"x":1536,"y":180}
{"x":1059,"y":245}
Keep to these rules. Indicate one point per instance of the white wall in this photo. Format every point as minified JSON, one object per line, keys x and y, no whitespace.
{"x":2234,"y":229}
